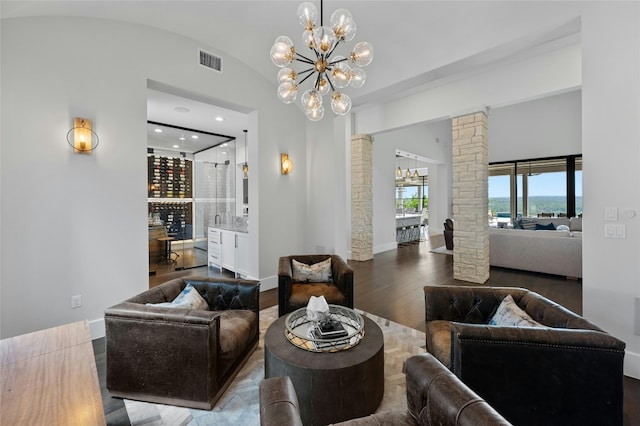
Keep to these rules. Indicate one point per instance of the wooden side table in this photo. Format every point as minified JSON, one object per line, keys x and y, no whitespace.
{"x":331,"y":387}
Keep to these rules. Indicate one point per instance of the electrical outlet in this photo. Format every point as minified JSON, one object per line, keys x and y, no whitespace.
{"x":76,"y":301}
{"x":615,"y":230}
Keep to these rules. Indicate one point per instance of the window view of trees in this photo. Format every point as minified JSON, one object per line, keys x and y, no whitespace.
{"x":407,"y":197}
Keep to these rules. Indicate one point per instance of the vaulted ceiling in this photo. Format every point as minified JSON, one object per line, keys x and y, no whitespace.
{"x":416,"y":43}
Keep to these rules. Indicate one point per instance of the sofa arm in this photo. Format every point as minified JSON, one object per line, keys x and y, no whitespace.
{"x":343,"y":278}
{"x":137,"y":312}
{"x":437,"y":396}
{"x":542,"y":375}
{"x":542,"y":337}
{"x":279,"y":403}
{"x":151,"y":349}
{"x":285,"y":282}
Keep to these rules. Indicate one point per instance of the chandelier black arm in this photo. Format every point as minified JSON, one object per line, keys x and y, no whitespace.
{"x":304,"y":59}
{"x":337,"y":62}
{"x":306,"y":71}
{"x":333,"y":48}
{"x":333,"y":89}
{"x":317,"y":83}
{"x":304,"y":79}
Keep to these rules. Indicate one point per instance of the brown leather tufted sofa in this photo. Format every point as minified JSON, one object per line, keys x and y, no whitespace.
{"x":569,"y":372}
{"x":435,"y":396}
{"x":293,"y":295}
{"x":183,"y":357}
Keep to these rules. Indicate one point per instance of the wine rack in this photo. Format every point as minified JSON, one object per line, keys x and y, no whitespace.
{"x":170,"y":192}
{"x":176,"y":217}
{"x":169,"y":177}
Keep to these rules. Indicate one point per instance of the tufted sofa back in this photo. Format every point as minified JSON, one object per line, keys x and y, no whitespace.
{"x":220,"y":293}
{"x":476,"y":305}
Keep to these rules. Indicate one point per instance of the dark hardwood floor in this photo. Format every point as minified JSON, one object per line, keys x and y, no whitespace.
{"x":391,"y":286}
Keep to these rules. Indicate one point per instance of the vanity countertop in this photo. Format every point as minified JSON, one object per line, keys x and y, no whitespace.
{"x":232,"y":227}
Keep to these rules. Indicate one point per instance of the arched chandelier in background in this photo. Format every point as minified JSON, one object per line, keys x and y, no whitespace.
{"x":327,"y":73}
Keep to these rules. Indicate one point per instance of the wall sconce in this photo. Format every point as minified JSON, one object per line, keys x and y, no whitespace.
{"x":286,"y":165}
{"x":81,"y":137}
{"x":245,"y":166}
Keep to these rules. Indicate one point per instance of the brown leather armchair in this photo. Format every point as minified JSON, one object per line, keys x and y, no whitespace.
{"x":293,"y":295}
{"x":435,"y":396}
{"x":568,"y":372}
{"x":179,"y":356}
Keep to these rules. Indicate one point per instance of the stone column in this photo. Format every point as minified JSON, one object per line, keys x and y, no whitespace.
{"x":470,"y":198}
{"x":361,"y":197}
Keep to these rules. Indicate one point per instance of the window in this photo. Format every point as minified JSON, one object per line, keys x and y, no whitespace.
{"x":412,"y":195}
{"x":549,"y":187}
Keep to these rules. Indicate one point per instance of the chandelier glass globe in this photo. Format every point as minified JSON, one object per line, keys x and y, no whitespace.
{"x":340,"y":103}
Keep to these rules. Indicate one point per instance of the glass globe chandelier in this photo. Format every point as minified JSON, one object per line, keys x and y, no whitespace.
{"x":329,"y":73}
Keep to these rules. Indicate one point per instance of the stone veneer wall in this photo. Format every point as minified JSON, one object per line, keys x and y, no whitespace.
{"x":470,"y":198}
{"x":361,"y":197}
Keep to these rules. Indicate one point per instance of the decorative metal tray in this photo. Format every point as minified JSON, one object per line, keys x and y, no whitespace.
{"x":298,"y":330}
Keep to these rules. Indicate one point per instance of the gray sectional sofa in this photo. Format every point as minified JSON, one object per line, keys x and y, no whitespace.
{"x":557,"y":252}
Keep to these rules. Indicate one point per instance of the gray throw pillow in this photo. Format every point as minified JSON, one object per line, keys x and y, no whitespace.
{"x":510,"y":314}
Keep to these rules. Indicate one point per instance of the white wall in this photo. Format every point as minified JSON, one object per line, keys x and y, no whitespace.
{"x":611,"y":154}
{"x":546,"y":127}
{"x":320,"y":166}
{"x":493,"y":86}
{"x":75,"y":224}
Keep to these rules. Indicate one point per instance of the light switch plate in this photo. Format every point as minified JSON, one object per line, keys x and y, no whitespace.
{"x":611,"y":214}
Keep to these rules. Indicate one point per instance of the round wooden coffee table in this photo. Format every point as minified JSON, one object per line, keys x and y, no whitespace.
{"x":333,"y":386}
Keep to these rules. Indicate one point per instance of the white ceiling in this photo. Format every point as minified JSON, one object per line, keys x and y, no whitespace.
{"x":400,"y":32}
{"x":188,"y":113}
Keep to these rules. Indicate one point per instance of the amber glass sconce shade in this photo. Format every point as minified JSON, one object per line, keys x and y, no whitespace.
{"x":81,"y":137}
{"x":286,"y":165}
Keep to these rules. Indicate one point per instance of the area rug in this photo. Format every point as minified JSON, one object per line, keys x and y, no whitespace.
{"x":442,"y":250}
{"x":240,"y":404}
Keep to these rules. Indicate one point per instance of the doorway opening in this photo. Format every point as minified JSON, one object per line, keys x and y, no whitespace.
{"x":185,"y":168}
{"x":411,"y":198}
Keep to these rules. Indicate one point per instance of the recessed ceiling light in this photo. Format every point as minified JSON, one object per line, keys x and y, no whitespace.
{"x":225,"y":144}
{"x":182,"y":138}
{"x":224,"y":152}
{"x":194,"y":136}
{"x":181,"y":109}
{"x":176,"y":146}
{"x":158,"y":130}
{"x":219,"y":118}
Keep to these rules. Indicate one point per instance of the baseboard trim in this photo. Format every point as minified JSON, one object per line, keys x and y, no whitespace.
{"x":269,"y":283}
{"x":632,"y":364}
{"x":96,"y":328}
{"x":385,"y":247}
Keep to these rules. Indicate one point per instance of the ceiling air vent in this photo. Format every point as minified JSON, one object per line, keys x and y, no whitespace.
{"x":210,"y":61}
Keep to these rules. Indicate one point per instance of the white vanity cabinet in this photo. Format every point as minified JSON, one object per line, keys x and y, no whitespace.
{"x":242,"y":254}
{"x":229,"y":246}
{"x":214,"y":252}
{"x":229,"y":250}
